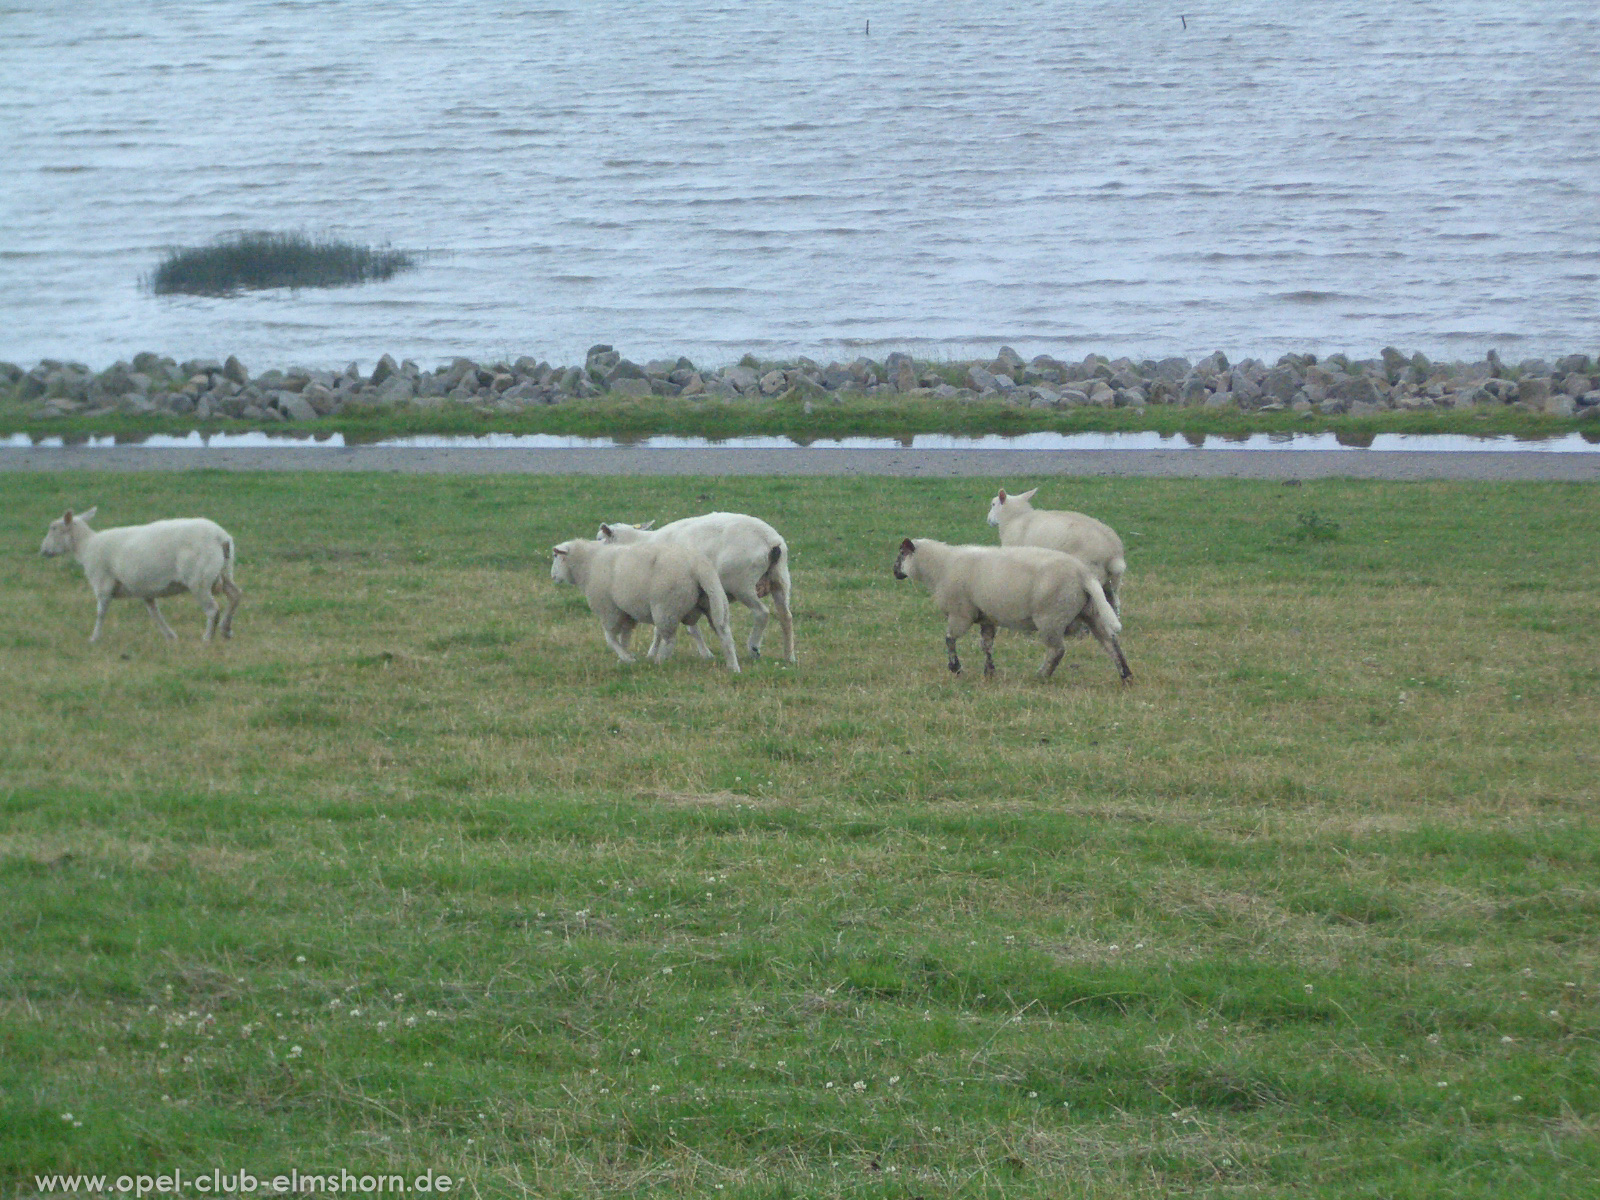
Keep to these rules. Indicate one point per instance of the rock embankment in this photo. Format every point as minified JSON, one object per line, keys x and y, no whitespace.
{"x":1335,"y":384}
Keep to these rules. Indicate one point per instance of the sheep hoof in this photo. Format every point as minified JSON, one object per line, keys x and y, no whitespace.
{"x":955,"y":668}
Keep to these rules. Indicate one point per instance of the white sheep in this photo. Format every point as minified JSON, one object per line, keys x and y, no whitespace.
{"x":661,"y":583}
{"x":162,"y":558}
{"x":1020,"y":587}
{"x":751,"y":559}
{"x":1093,"y":542}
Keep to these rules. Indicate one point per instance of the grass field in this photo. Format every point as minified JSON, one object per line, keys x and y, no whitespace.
{"x":414,"y":874}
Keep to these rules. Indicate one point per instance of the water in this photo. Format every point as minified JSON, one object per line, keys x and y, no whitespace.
{"x":711,"y":178}
{"x":1571,"y":443}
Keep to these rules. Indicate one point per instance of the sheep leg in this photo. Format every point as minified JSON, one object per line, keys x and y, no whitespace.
{"x":986,"y":632}
{"x":1114,"y":648}
{"x":161,"y":624}
{"x":1057,"y":649}
{"x":758,"y":619}
{"x":666,"y":640}
{"x":212,"y":610}
{"x":780,"y":605}
{"x":234,"y":593}
{"x":617,"y":636}
{"x":692,"y":628}
{"x":102,"y":601}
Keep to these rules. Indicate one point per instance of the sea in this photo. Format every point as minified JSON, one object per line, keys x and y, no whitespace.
{"x":831,"y":178}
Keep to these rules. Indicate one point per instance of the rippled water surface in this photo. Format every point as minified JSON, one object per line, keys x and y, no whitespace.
{"x":712,"y":178}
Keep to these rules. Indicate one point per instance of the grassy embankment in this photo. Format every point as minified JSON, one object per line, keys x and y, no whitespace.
{"x":414,"y":874}
{"x":852,"y":416}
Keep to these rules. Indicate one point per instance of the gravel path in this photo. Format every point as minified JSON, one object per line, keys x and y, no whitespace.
{"x":629,"y":460}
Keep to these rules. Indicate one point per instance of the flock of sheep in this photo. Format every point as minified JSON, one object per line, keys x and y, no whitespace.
{"x":1055,"y":574}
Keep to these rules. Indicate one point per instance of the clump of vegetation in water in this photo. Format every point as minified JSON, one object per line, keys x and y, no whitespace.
{"x":246,"y":261}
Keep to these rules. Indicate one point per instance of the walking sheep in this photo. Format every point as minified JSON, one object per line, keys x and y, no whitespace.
{"x":150,"y":561}
{"x":661,"y":583}
{"x":1093,"y":542}
{"x":1019,"y":587}
{"x":751,"y":559}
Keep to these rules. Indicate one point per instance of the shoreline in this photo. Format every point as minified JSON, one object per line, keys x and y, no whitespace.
{"x":1005,"y":394}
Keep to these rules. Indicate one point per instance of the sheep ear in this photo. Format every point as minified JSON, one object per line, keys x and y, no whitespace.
{"x":650,"y":524}
{"x":605,"y":531}
{"x":66,"y":517}
{"x":1028,"y":495}
{"x":560,"y":552}
{"x":1002,"y":496}
{"x":88,"y":515}
{"x":908,"y":547}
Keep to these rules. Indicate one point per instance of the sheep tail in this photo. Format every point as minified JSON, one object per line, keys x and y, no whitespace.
{"x":716,"y":600}
{"x":764,"y":584}
{"x":1105,"y":617}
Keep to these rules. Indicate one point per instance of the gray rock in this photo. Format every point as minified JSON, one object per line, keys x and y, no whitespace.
{"x":773,"y":382}
{"x":296,"y":407}
{"x":948,"y":391}
{"x":1497,"y":369}
{"x":1360,"y":408}
{"x":385,"y":370}
{"x":981,"y":379}
{"x":1533,"y":391}
{"x":1533,"y":366}
{"x":433,"y":385}
{"x":1589,"y":399}
{"x":1577,"y":385}
{"x":1172,"y":369}
{"x":1560,"y":405}
{"x":395,"y":389}
{"x":623,"y":369}
{"x":600,"y":359}
{"x":742,"y":379}
{"x":630,"y":385}
{"x":1393,"y":363}
{"x":1007,"y":360}
{"x":1192,"y":389}
{"x":1101,"y":393}
{"x":1004,"y":384}
{"x":1353,"y":390}
{"x":1131,"y":398}
{"x":1074,"y":398}
{"x":836,"y":375}
{"x":694,"y":385}
{"x":234,"y":369}
{"x":322,"y":399}
{"x":1281,"y":384}
{"x":203,"y":408}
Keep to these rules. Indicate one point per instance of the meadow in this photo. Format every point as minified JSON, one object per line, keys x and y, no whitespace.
{"x":413,"y":874}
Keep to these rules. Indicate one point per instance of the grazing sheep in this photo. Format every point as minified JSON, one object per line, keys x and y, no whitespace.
{"x":751,"y":559}
{"x":1020,"y":587}
{"x":162,"y":558}
{"x":1093,"y":542}
{"x":662,"y":583}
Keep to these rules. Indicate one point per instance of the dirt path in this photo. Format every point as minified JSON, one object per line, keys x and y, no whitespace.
{"x":630,"y":460}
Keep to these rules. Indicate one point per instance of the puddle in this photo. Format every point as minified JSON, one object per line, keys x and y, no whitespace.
{"x":1571,"y":443}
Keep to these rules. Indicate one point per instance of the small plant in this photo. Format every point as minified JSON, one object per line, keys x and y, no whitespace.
{"x":267,"y":260}
{"x":1313,"y":527}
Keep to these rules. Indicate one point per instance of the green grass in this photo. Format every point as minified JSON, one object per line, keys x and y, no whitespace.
{"x":1310,"y":909}
{"x":853,"y":416}
{"x":246,"y":261}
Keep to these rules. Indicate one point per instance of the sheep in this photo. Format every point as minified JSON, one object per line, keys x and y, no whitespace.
{"x":162,"y":558}
{"x":751,"y":559}
{"x":660,"y":582}
{"x":1093,"y":542}
{"x":1020,"y":587}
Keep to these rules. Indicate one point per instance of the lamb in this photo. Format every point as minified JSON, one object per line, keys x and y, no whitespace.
{"x":751,"y":559}
{"x":662,"y":583}
{"x":1020,"y":587}
{"x":162,"y":558}
{"x":1093,"y":542}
